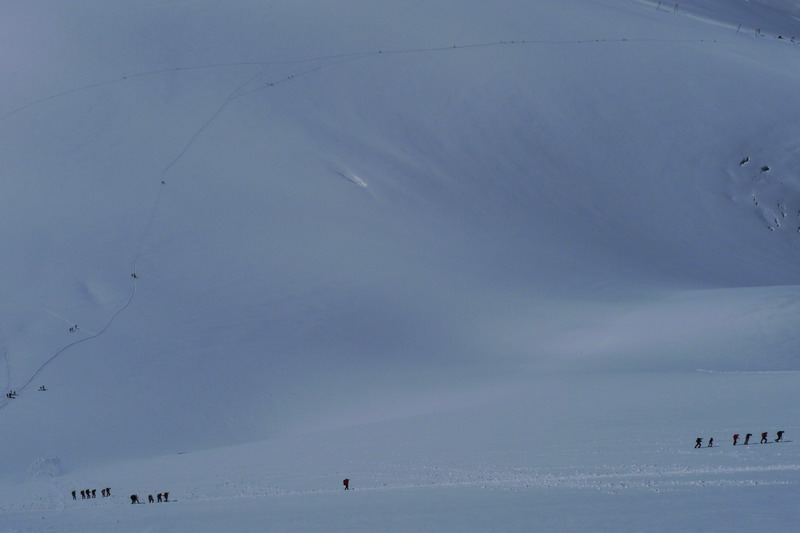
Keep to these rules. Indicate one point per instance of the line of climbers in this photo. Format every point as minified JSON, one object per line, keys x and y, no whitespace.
{"x":162,"y":497}
{"x":89,"y":494}
{"x":698,"y":443}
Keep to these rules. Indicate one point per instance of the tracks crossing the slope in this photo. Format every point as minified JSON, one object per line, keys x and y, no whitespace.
{"x":329,"y":61}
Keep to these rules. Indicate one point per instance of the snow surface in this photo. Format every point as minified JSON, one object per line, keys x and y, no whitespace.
{"x":497,"y":263}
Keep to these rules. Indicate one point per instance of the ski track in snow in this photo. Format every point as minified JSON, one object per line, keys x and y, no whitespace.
{"x":327,"y":61}
{"x":63,"y":349}
{"x":339,"y":59}
{"x":143,"y":238}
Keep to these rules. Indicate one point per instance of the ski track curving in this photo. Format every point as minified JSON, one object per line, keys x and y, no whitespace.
{"x":148,"y":227}
{"x":63,"y":349}
{"x":330,"y":61}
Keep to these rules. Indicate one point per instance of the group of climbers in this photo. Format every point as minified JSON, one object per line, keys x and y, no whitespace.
{"x":698,"y":443}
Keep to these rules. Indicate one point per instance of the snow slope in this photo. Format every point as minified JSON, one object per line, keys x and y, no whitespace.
{"x":354,"y":215}
{"x":499,"y":461}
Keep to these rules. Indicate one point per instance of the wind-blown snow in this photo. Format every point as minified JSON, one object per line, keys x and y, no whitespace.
{"x":470,"y":255}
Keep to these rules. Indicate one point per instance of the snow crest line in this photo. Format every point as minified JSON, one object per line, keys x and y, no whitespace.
{"x":710,"y":17}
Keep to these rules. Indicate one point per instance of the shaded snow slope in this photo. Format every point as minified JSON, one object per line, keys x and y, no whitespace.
{"x":327,"y":206}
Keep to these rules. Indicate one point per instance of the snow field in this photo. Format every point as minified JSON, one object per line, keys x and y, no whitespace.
{"x":471,"y":257}
{"x":582,"y":452}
